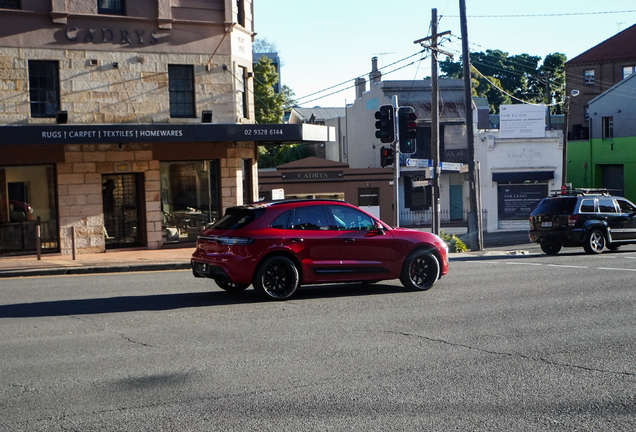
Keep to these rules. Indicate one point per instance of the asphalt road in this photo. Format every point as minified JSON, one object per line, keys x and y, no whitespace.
{"x":503,"y":343}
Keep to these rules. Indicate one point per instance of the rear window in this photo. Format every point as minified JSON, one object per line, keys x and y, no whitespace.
{"x":236,"y":218}
{"x":555,"y":205}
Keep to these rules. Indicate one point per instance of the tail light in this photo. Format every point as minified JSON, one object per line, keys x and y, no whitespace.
{"x":572,"y":220}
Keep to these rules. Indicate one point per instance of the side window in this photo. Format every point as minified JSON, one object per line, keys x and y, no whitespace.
{"x":348,"y":219}
{"x":281,"y":221}
{"x":606,"y":205}
{"x":626,"y":206}
{"x":309,"y":218}
{"x":587,"y":206}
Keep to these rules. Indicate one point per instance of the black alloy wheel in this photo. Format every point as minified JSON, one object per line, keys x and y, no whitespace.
{"x":276,"y":278}
{"x":420,"y":271}
{"x":551,"y":248}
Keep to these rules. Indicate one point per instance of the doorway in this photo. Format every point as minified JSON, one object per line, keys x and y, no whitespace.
{"x":456,"y":202}
{"x":124,"y":210}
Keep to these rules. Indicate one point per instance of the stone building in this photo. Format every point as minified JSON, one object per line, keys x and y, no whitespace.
{"x":125,"y":123}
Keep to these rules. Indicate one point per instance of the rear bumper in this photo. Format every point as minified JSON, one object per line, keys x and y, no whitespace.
{"x":572,"y":237}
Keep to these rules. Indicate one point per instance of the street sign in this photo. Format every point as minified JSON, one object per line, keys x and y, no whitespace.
{"x":421,"y":183}
{"x":422,"y":163}
{"x":451,"y":166}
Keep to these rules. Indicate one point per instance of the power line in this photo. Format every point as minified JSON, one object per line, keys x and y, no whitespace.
{"x":544,"y":15}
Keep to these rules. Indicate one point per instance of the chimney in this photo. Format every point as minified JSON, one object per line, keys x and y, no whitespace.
{"x":361,"y":86}
{"x":375,"y":76}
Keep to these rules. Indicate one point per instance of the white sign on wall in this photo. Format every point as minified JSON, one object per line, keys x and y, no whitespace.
{"x":522,"y":121}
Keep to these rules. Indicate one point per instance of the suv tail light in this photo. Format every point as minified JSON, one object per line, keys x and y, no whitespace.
{"x":572,"y":220}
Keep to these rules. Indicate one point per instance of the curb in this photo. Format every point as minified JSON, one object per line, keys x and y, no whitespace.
{"x":94,"y":270}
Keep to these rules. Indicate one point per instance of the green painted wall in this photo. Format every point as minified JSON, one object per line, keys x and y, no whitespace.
{"x":596,"y":152}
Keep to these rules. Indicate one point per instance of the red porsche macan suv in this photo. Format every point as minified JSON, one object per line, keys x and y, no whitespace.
{"x":278,"y":246}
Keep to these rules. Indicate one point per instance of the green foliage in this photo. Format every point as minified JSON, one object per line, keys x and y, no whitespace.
{"x":455,"y":245}
{"x":519,"y":75}
{"x":272,"y":156}
{"x":268,"y":105}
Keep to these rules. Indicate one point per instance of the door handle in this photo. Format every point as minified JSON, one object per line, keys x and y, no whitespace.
{"x":294,"y":240}
{"x":349,"y":240}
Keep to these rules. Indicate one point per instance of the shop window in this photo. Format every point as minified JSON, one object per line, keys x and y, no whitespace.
{"x":27,"y":201}
{"x":44,"y":88}
{"x":608,"y":127}
{"x":110,"y":7}
{"x":10,"y":4}
{"x":190,"y":198}
{"x":247,"y":181}
{"x":181,"y":89}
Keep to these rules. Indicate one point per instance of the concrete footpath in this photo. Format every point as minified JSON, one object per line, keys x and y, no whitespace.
{"x":178,"y":258}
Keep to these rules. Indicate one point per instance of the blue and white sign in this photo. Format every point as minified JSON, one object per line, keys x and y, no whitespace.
{"x":420,"y":163}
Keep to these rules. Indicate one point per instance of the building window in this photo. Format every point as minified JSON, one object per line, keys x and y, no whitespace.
{"x":181,"y":87}
{"x":628,"y":70}
{"x":608,"y":127}
{"x":110,"y":7}
{"x":588,"y":76}
{"x":44,"y":88}
{"x":243,"y":90}
{"x":240,"y":14}
{"x":10,"y":4}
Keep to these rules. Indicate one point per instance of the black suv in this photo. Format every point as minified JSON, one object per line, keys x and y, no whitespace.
{"x":591,"y":218}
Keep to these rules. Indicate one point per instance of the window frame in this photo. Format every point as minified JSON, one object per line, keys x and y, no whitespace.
{"x":589,"y":76}
{"x":182,"y":100}
{"x":102,"y":10}
{"x":607,"y":127}
{"x":631,"y":69}
{"x":47,"y":90}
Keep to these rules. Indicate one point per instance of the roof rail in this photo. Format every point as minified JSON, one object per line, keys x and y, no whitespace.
{"x":579,"y":191}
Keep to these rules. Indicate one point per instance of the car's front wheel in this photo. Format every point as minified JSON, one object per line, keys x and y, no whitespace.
{"x":276,"y":278}
{"x":231,"y":286}
{"x":551,"y":248}
{"x":420,"y":271}
{"x":595,"y":242}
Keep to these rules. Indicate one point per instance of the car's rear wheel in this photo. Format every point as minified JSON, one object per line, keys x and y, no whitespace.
{"x":595,"y":242}
{"x":276,"y":278}
{"x":231,"y":286}
{"x":420,"y":270}
{"x":551,"y":248}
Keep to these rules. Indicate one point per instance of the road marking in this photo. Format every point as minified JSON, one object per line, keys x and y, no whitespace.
{"x":523,"y":263}
{"x":609,"y":268}
{"x":567,"y":266}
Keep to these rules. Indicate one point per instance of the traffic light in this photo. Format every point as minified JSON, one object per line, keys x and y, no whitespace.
{"x":386,"y":124}
{"x":407,"y":129}
{"x":386,"y":156}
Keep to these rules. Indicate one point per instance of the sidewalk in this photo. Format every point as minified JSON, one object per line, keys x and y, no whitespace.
{"x":173,"y":258}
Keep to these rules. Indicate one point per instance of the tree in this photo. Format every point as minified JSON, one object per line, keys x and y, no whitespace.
{"x":520,"y":76}
{"x":268,"y":105}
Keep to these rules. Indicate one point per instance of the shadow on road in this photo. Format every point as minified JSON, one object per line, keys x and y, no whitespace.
{"x":164,"y":302}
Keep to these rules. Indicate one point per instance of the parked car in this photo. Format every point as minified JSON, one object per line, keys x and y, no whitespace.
{"x":281,"y":245}
{"x":590,"y":218}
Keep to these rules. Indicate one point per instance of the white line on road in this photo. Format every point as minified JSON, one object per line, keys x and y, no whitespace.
{"x":609,"y":268}
{"x":567,"y":266}
{"x":525,"y":263}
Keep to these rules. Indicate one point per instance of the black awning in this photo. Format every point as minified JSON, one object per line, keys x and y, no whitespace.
{"x":521,"y":176}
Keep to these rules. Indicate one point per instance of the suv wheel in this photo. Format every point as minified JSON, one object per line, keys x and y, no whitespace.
{"x":276,"y":278}
{"x":550,"y":248}
{"x":420,"y":271}
{"x":595,"y":242}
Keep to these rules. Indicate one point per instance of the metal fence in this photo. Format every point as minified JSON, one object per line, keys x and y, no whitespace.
{"x":415,"y":218}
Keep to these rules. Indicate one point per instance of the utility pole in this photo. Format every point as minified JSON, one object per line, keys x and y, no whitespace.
{"x":435,"y":156}
{"x":474,"y":217}
{"x":548,"y":99}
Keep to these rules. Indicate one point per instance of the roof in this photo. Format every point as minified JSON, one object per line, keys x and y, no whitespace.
{"x":614,"y":87}
{"x":619,"y":47}
{"x":319,"y":113}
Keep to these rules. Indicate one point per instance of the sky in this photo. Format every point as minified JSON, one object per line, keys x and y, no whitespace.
{"x":324,"y":45}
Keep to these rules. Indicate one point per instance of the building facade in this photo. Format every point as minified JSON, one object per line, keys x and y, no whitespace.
{"x":126,"y":123}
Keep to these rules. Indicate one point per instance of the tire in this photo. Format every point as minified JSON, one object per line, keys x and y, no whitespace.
{"x":613,"y":247}
{"x":276,"y":278}
{"x":595,"y":242}
{"x":231,"y":286}
{"x":550,"y":248}
{"x":420,"y":271}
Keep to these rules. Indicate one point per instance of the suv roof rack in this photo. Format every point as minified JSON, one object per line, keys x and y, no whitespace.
{"x":579,"y":192}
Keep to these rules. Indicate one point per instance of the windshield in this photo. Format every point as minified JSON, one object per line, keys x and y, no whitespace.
{"x":555,"y":205}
